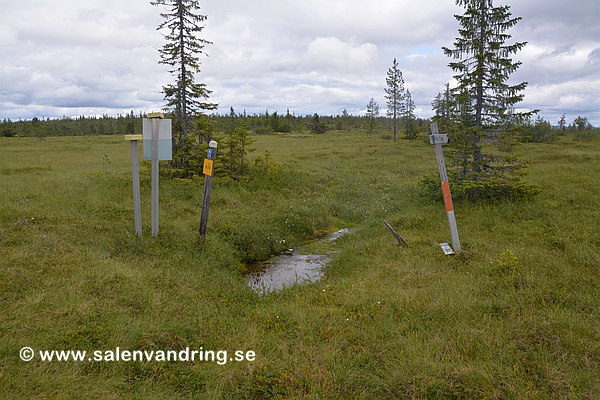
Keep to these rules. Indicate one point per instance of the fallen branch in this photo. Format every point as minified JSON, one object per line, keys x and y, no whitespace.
{"x":401,"y":241}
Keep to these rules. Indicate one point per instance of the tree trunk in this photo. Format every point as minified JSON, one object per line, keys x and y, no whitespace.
{"x":477,"y":157}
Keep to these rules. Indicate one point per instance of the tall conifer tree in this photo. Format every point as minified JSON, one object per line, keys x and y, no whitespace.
{"x":394,"y":94}
{"x":409,"y":116}
{"x":372,"y":113}
{"x":185,"y":97}
{"x":483,"y":101}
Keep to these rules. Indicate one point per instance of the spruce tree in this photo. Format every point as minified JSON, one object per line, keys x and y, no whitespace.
{"x":562,"y":123}
{"x":316,"y":126}
{"x":372,"y":113}
{"x":345,"y":119}
{"x":409,"y":116}
{"x":185,"y":97}
{"x":394,"y":94}
{"x":483,"y":101}
{"x":441,"y":106}
{"x":235,"y":152}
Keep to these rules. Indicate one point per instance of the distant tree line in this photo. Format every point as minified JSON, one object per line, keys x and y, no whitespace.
{"x":259,"y":124}
{"x":539,"y":130}
{"x":532,"y":129}
{"x":73,"y":126}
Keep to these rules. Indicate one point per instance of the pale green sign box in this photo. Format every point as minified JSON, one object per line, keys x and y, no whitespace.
{"x":165,"y":142}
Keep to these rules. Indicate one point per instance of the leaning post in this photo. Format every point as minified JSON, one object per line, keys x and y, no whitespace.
{"x":437,"y":140}
{"x":207,"y":169}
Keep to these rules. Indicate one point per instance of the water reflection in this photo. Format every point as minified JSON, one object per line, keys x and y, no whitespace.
{"x":296,"y":266}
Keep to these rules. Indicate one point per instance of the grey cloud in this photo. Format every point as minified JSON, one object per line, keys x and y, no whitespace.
{"x":309,"y":55}
{"x":593,"y":60}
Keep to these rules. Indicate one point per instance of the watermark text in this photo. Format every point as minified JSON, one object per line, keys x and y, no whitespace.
{"x":117,"y":354}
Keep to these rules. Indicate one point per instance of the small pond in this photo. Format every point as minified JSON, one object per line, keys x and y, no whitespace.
{"x":303,"y":264}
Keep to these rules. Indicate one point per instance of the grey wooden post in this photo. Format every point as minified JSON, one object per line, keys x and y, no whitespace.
{"x":137,"y":206}
{"x":437,"y":140}
{"x":208,"y":175}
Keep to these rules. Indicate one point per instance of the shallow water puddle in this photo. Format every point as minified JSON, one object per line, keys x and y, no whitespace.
{"x":300,"y":265}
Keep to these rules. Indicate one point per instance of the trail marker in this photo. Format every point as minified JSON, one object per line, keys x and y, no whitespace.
{"x":208,"y":167}
{"x":211,"y":155}
{"x":137,"y":207}
{"x":437,"y":140}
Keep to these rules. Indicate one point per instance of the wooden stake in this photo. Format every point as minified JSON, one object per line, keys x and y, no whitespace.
{"x":208,"y":175}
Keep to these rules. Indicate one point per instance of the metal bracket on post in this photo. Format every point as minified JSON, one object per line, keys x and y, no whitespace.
{"x":437,"y":140}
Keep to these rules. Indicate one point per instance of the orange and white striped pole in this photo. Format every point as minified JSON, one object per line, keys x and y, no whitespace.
{"x":438,"y":139}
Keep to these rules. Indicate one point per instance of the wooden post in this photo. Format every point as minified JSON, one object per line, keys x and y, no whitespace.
{"x":437,"y":140}
{"x":208,"y":175}
{"x":137,"y":207}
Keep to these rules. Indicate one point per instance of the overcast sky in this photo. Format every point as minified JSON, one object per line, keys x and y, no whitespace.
{"x":90,"y":57}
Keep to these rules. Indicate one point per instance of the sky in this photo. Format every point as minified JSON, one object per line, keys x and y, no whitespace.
{"x":94,"y":57}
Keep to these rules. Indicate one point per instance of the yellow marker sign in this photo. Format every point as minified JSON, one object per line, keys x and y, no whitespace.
{"x":208,"y":167}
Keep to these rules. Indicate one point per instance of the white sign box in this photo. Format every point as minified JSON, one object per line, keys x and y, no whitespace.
{"x":165,"y":141}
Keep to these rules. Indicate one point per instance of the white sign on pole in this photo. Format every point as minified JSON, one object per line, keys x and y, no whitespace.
{"x":157,"y":146}
{"x":165,"y":140}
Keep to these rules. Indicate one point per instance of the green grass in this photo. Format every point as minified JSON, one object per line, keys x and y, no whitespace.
{"x":515,"y":315}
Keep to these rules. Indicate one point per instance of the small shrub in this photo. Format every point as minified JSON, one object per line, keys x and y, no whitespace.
{"x":316,"y":126}
{"x":584,"y":135}
{"x":509,"y":270}
{"x":478,"y":188}
{"x":263,"y":130}
{"x":265,"y":165}
{"x":539,"y":132}
{"x":507,"y":262}
{"x":234,"y":155}
{"x":187,"y":160}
